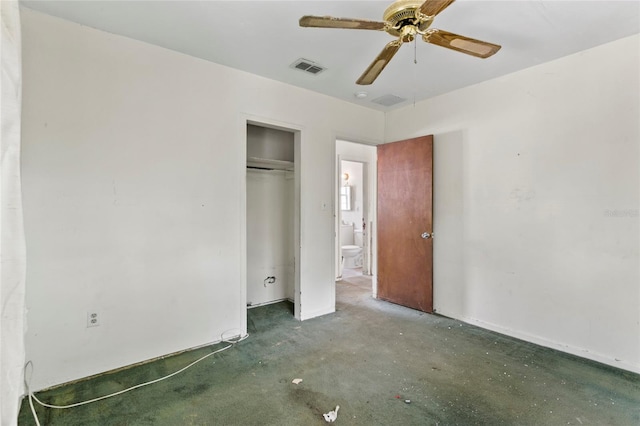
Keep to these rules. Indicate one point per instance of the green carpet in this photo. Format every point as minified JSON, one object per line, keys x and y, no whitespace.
{"x":370,"y":357}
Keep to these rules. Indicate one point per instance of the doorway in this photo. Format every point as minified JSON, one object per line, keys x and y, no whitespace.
{"x":272,"y":216}
{"x":355,"y":214}
{"x":353,"y":223}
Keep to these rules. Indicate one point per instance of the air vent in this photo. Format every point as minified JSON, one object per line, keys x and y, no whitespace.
{"x":308,"y":66}
{"x":388,"y":100}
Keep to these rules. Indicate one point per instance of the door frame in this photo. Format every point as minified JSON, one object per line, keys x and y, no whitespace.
{"x":370,"y":197}
{"x":245,"y":120}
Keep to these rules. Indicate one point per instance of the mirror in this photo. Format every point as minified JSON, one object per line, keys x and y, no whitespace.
{"x":345,"y":198}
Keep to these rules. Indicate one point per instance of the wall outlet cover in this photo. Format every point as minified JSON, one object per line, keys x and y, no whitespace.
{"x":93,"y":319}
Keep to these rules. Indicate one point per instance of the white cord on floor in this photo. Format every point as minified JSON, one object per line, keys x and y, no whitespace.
{"x":32,"y":397}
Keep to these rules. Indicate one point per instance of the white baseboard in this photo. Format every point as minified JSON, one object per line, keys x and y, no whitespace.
{"x":271,"y":302}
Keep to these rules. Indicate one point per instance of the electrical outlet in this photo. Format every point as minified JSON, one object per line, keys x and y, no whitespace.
{"x":93,"y":319}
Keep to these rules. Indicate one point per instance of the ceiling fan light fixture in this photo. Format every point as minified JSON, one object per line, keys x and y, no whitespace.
{"x":405,"y":19}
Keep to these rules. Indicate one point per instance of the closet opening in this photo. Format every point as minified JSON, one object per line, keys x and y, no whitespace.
{"x":272,"y":217}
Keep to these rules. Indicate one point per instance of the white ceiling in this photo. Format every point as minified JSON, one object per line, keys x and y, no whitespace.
{"x":263,"y":37}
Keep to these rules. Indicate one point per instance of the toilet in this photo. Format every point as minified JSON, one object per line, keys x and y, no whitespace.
{"x":350,"y":247}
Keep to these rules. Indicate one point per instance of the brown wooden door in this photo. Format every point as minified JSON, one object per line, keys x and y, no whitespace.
{"x":405,"y":197}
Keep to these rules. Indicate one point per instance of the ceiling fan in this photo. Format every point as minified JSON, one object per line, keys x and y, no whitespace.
{"x":405,"y":19}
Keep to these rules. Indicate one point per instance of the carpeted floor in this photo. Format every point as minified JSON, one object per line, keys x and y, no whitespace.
{"x":382,"y":363}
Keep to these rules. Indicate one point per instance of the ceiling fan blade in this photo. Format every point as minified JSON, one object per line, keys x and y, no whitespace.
{"x":470,"y":46}
{"x":331,"y":22}
{"x":379,"y":63}
{"x":433,"y":7}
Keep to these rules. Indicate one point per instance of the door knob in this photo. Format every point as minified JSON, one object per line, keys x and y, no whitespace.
{"x":425,"y":235}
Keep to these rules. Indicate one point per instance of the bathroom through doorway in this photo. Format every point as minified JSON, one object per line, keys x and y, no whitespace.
{"x":355,"y":213}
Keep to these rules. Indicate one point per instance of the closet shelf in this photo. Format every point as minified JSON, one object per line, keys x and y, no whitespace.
{"x":269,"y":163}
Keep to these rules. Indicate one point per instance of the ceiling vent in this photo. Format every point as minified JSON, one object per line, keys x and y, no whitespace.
{"x":388,"y":100}
{"x":308,"y":66}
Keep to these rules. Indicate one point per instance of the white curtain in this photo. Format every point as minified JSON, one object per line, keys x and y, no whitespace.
{"x":12,"y":245}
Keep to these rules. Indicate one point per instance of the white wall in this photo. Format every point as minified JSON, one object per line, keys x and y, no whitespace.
{"x":536,"y":202}
{"x":134,"y":178}
{"x":270,"y":236}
